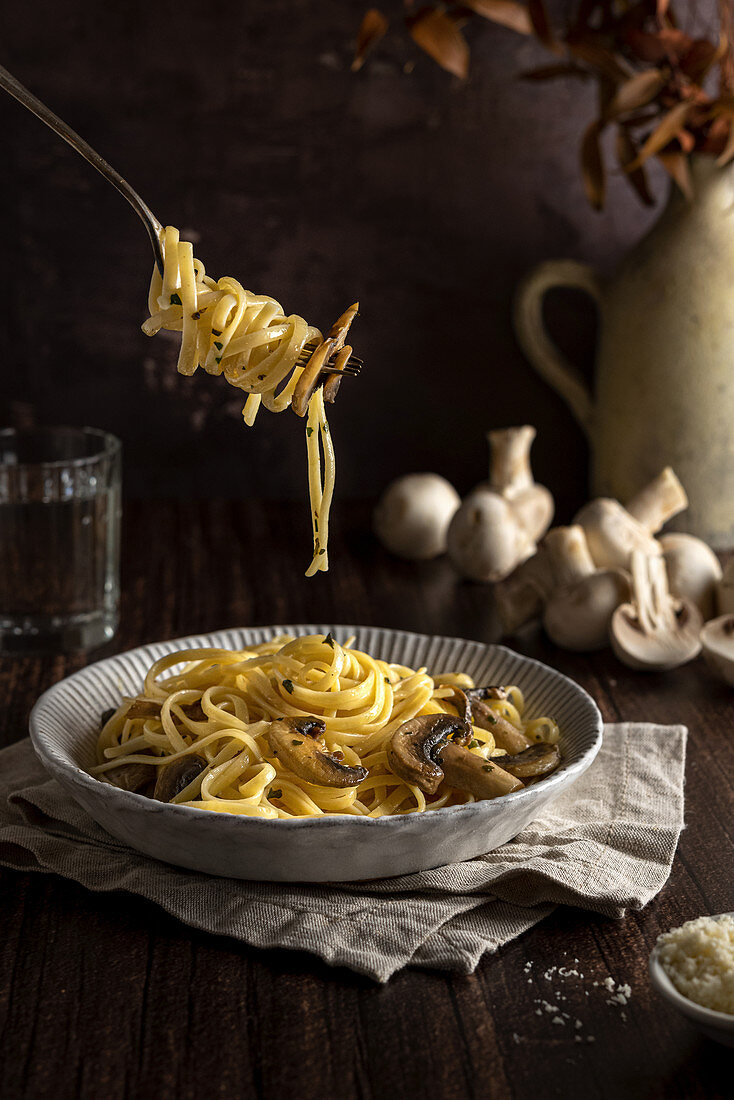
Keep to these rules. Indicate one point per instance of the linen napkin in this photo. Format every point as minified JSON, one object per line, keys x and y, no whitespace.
{"x":606,"y":844}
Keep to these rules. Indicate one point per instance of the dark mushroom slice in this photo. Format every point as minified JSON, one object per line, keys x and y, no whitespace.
{"x":106,"y":715}
{"x":506,"y":736}
{"x":176,"y":776}
{"x":298,"y":743}
{"x":414,"y":747}
{"x":334,"y":381}
{"x":532,"y":763}
{"x":310,"y":377}
{"x":468,"y":771}
{"x":131,"y":777}
{"x":492,"y":691}
{"x":151,"y":708}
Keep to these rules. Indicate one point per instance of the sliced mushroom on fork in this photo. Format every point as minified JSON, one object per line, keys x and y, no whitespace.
{"x":318,"y":364}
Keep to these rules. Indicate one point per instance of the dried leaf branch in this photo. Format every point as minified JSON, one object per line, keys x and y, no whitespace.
{"x":650,"y":75}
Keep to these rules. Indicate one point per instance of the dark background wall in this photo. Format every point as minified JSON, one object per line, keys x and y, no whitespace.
{"x":425,"y":198}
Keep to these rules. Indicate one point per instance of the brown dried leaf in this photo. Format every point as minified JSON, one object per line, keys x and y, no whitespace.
{"x":669,"y":127}
{"x":541,"y":23}
{"x":592,"y":165}
{"x":702,"y":55}
{"x":724,"y":105}
{"x":626,"y":154}
{"x":507,"y":13}
{"x":678,"y":168}
{"x":373,"y":27}
{"x":549,"y":72}
{"x":636,"y":92}
{"x":665,"y":45}
{"x":439,"y":37}
{"x":606,"y":62}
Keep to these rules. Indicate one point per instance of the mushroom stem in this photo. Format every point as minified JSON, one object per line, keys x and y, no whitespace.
{"x":467,"y":771}
{"x":509,"y":459}
{"x":568,"y":555}
{"x":506,"y":735}
{"x":659,"y":501}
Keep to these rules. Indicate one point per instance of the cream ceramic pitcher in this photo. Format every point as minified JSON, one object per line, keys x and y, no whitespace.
{"x":665,"y":361}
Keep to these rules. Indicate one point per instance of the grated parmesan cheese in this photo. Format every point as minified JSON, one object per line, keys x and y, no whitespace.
{"x":698,"y":958}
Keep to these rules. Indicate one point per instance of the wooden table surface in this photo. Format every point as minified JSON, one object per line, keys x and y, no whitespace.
{"x":107,"y":996}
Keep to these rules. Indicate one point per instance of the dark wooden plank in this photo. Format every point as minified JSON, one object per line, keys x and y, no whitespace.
{"x":106,"y":995}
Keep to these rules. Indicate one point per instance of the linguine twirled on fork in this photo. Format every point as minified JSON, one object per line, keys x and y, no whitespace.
{"x":277,"y":360}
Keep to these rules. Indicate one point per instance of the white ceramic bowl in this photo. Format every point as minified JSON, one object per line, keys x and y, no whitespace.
{"x":717,"y":1025}
{"x":65,"y":723}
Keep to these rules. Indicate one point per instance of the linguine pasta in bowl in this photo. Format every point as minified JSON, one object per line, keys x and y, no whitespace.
{"x":306,"y":726}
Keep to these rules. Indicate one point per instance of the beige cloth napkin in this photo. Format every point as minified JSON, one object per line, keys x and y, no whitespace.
{"x":606,"y":844}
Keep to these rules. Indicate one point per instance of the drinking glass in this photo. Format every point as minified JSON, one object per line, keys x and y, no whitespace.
{"x":59,"y":538}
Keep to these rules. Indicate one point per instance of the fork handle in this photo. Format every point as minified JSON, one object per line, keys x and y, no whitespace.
{"x":40,"y":110}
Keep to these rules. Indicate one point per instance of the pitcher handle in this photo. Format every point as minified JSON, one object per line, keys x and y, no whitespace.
{"x":542,"y":353}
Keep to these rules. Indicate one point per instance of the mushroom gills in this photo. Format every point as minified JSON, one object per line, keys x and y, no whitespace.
{"x":176,"y":776}
{"x":654,"y":630}
{"x":414,"y":746}
{"x":298,"y":743}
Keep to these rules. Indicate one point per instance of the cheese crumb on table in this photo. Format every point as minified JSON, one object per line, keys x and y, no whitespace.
{"x":698,"y":958}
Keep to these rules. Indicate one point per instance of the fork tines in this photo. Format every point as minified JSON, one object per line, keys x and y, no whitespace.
{"x":352,"y":366}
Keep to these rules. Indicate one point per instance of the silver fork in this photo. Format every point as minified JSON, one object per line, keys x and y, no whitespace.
{"x":151,"y":223}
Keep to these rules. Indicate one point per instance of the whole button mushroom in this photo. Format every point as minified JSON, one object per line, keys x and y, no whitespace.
{"x":581,"y":605}
{"x":694,"y":571}
{"x":485,"y":541}
{"x":511,"y":476}
{"x":613,"y":532}
{"x":498,"y":524}
{"x":412,"y":516}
